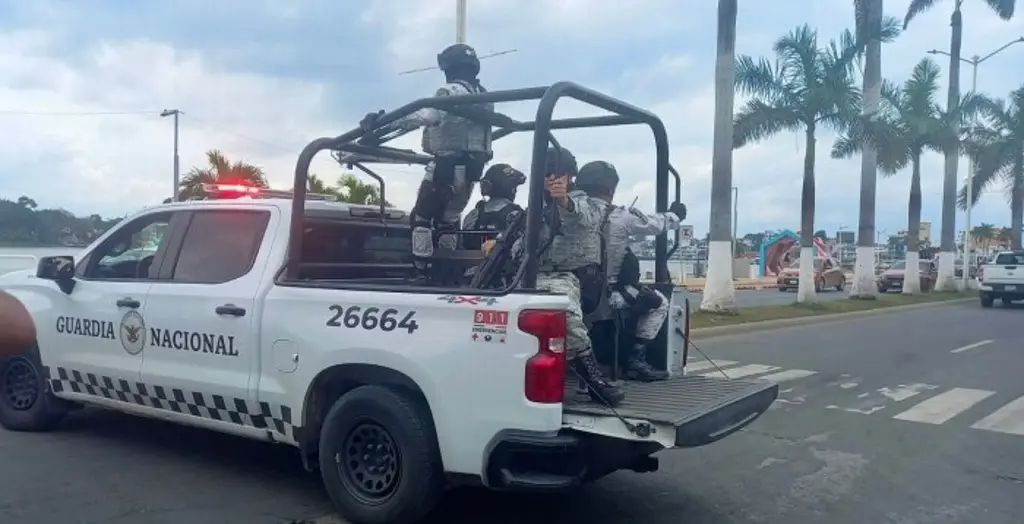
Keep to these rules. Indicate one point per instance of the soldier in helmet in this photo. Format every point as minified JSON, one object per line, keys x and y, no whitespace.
{"x":461,"y":148}
{"x":494,"y":211}
{"x":571,"y":265}
{"x":599,"y":180}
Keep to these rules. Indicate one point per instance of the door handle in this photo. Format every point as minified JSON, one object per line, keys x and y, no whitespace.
{"x":129,"y":302}
{"x":230,"y":310}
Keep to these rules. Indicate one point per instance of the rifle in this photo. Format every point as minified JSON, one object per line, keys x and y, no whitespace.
{"x":498,"y":263}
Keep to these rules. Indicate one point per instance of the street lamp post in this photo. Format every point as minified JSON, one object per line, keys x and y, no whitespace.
{"x":460,"y":21}
{"x":974,"y":62}
{"x":177,"y":172}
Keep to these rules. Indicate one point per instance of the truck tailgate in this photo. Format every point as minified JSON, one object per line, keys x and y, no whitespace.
{"x":700,"y":410}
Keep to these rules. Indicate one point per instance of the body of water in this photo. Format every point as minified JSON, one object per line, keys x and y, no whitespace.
{"x":17,"y":258}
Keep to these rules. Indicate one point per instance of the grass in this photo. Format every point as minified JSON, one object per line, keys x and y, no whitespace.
{"x":703,"y":319}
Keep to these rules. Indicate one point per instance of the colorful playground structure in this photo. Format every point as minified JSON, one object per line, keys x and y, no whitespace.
{"x":780,"y":250}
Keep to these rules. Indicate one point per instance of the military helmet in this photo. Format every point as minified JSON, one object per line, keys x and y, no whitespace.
{"x":560,"y":161}
{"x":598,"y":175}
{"x":458,"y":55}
{"x":501,"y":180}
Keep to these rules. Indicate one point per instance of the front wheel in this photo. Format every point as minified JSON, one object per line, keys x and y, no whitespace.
{"x":841,"y":284}
{"x":26,"y":403}
{"x":819,"y":286}
{"x":379,"y":457}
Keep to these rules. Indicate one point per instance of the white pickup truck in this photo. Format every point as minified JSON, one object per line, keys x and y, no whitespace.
{"x":1003,"y":278}
{"x":213,"y":314}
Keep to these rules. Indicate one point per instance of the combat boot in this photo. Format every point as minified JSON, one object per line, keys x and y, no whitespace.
{"x":637,"y":367}
{"x":598,"y":388}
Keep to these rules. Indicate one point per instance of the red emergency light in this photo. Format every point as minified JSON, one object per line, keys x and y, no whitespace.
{"x":235,"y":191}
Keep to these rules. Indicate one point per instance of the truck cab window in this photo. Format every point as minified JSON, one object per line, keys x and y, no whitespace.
{"x":129,"y":252}
{"x":344,"y":249}
{"x":220,"y":246}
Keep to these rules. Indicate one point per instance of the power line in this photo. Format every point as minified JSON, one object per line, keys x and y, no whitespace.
{"x":76,"y":113}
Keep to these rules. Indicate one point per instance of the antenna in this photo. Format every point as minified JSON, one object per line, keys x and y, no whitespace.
{"x":485,"y":57}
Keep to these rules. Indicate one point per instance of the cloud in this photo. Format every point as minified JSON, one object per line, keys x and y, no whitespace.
{"x":260,"y":79}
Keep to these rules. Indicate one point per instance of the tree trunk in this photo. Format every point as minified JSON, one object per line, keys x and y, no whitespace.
{"x":912,"y":273}
{"x":864,"y":268}
{"x":719,"y":292}
{"x":1017,"y":203}
{"x":805,"y":291}
{"x":947,"y":249}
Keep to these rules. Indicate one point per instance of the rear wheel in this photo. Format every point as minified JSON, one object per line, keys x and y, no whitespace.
{"x":379,"y":458}
{"x":26,"y":403}
{"x":841,"y":284}
{"x":1006,"y":301}
{"x":987,"y":300}
{"x":819,"y":286}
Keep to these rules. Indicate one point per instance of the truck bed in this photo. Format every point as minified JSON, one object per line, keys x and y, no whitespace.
{"x":702,"y":409}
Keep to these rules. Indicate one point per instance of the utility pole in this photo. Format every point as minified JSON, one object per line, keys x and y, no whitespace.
{"x":974,"y":62}
{"x":460,"y":21}
{"x":177,"y":173}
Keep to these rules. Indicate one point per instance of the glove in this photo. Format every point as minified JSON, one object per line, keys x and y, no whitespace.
{"x":369,"y":122}
{"x":488,"y":246}
{"x":678,"y":209}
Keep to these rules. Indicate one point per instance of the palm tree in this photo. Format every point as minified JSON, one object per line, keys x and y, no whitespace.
{"x":806,"y":88}
{"x":219,"y":170}
{"x":907,"y":123}
{"x":315,"y":184}
{"x":996,"y":147}
{"x":719,"y":293}
{"x":872,"y":28}
{"x":1003,"y":8}
{"x":1005,"y":236}
{"x":983,"y":234}
{"x":354,"y":191}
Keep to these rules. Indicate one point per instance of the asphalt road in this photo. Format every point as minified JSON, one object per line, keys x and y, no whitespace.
{"x":834,"y":448}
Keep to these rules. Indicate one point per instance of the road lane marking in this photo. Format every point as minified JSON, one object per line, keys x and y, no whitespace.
{"x":1007,"y":419}
{"x":944,"y":406}
{"x":743,"y":371}
{"x":701,"y":366}
{"x":972,"y":346}
{"x":789,"y":374}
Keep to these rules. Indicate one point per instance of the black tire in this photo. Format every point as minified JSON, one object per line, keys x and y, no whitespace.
{"x":841,"y":284}
{"x":987,"y":300}
{"x":26,"y":402}
{"x":1007,"y":302}
{"x":819,"y":286}
{"x":381,"y":416}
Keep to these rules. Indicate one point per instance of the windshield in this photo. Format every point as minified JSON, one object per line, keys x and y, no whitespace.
{"x":796,"y":264}
{"x":1010,"y":259}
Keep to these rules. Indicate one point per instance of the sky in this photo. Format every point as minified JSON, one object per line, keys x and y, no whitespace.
{"x":82,"y":85}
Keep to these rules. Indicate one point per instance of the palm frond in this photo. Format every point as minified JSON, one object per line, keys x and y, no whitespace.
{"x":917,"y":7}
{"x":760,"y":78}
{"x":757,"y":120}
{"x":798,"y":56}
{"x":1003,"y":8}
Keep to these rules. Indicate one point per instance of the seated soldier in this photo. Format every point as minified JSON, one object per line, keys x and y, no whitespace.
{"x":494,"y":211}
{"x":599,"y":180}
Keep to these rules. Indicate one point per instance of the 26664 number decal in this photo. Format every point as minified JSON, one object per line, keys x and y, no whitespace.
{"x":372,"y":318}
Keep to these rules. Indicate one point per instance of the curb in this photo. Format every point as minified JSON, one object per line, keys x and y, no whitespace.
{"x":739,"y":287}
{"x":765,"y":325}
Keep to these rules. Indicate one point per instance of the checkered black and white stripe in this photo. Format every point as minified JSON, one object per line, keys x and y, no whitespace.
{"x":203,"y":405}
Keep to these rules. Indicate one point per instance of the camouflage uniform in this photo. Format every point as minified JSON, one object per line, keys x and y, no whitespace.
{"x":461,"y":148}
{"x":623,"y":223}
{"x":578,"y":245}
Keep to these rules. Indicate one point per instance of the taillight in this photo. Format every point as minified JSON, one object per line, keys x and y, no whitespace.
{"x":545,"y":371}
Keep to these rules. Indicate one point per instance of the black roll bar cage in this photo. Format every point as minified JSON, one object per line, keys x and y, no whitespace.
{"x":365,"y":145}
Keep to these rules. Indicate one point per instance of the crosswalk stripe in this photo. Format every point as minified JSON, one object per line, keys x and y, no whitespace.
{"x":944,"y":406}
{"x":789,"y":374}
{"x":742,"y":371}
{"x":700,"y":366}
{"x":1007,"y":419}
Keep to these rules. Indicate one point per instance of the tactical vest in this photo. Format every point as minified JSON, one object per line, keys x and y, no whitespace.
{"x":496,"y":220}
{"x":629,"y":272}
{"x":456,"y":135}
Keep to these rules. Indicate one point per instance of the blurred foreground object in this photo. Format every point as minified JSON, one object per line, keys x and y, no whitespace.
{"x":17,"y":332}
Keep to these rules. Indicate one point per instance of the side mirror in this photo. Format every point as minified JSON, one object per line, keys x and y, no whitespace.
{"x":60,"y":269}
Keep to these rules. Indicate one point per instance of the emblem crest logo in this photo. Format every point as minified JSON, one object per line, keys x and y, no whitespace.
{"x":133,"y":332}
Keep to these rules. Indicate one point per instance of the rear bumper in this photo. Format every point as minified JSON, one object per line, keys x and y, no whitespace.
{"x":527,"y":461}
{"x":993,"y":292}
